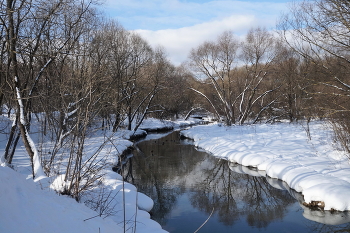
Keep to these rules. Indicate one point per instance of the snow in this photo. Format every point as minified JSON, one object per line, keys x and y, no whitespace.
{"x":284,"y":151}
{"x":35,"y":206}
{"x":324,"y":217}
{"x":152,"y":124}
{"x":25,"y":208}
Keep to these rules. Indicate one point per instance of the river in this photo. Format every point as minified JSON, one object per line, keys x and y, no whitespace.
{"x":190,"y":186}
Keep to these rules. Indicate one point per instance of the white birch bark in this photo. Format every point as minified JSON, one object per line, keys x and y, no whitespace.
{"x":37,"y":168}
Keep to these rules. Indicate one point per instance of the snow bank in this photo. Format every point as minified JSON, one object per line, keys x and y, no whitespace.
{"x":25,"y":208}
{"x":28,"y":206}
{"x":324,"y":217}
{"x":152,"y":124}
{"x":284,"y":151}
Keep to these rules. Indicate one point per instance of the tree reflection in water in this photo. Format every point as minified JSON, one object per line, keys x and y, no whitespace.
{"x":235,"y":195}
{"x":167,"y":168}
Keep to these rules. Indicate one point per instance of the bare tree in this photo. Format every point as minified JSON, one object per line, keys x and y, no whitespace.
{"x":319,"y":31}
{"x":217,"y":62}
{"x":239,"y":73}
{"x":126,"y":58}
{"x":28,"y":26}
{"x":174,"y":98}
{"x":259,"y":52}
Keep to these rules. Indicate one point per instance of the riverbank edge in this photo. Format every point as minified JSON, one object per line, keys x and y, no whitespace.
{"x":313,"y":204}
{"x":126,"y":140}
{"x":141,"y":134}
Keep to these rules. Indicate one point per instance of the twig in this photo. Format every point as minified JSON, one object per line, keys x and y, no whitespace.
{"x":92,"y":217}
{"x":205,"y":221}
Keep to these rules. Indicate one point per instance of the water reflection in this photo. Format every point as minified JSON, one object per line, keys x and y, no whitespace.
{"x":186,"y":183}
{"x":324,"y":217}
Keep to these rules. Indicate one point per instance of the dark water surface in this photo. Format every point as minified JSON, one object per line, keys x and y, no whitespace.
{"x":188,"y":185}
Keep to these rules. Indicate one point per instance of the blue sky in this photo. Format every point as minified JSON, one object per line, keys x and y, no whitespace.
{"x":179,"y":25}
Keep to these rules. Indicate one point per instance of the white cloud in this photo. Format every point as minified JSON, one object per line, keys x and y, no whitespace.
{"x":165,"y":14}
{"x":179,"y":25}
{"x":179,"y":42}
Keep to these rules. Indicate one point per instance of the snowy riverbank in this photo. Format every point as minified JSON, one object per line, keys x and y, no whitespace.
{"x":28,"y":206}
{"x":284,"y":151}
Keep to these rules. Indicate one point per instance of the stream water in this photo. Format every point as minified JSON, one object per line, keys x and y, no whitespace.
{"x":188,"y":186}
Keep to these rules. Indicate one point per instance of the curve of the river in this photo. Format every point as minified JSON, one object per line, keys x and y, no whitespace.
{"x":188,"y":186}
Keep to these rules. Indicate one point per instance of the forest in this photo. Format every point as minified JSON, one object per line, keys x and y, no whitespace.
{"x":67,"y":67}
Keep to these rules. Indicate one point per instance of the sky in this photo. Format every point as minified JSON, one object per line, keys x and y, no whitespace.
{"x":180,"y":25}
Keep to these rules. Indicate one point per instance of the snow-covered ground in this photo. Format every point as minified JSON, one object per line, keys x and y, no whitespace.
{"x":310,"y":165}
{"x":28,"y":206}
{"x":284,"y":151}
